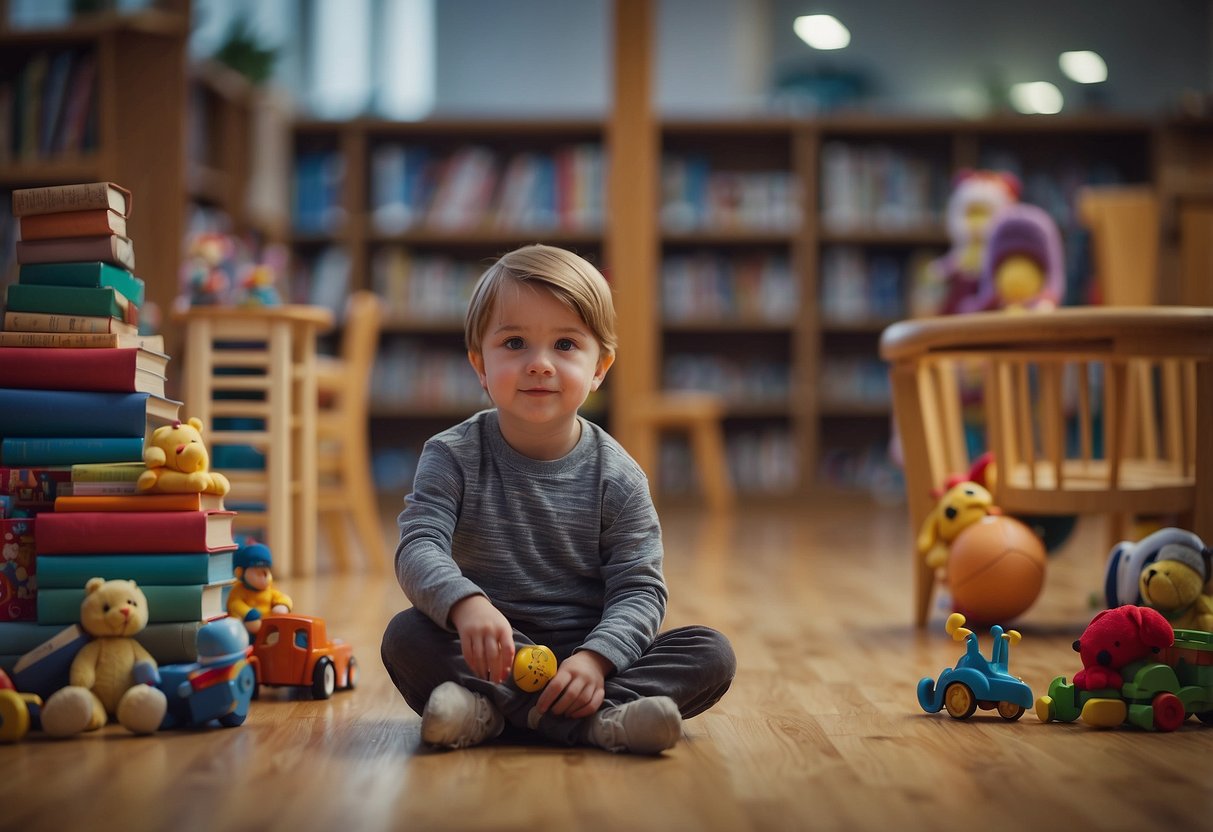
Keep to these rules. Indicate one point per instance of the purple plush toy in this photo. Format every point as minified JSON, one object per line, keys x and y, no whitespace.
{"x":1023,"y":267}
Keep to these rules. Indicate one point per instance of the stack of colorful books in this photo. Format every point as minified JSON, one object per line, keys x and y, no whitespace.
{"x":80,"y":391}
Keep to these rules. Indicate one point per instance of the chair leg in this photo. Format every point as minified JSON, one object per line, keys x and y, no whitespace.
{"x":333,"y":521}
{"x":364,"y":505}
{"x":713,"y":463}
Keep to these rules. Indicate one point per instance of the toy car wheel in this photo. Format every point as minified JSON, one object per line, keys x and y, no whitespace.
{"x":232,"y":720}
{"x":351,"y":674}
{"x":1169,"y":712}
{"x":1010,"y":711}
{"x":324,"y":679}
{"x":958,"y":698}
{"x":14,"y":716}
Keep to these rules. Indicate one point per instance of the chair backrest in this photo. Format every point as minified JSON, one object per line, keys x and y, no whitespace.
{"x":1125,"y":226}
{"x":1054,"y":404}
{"x":359,"y":345}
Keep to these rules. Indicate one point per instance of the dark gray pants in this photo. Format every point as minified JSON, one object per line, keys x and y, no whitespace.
{"x":694,"y":666}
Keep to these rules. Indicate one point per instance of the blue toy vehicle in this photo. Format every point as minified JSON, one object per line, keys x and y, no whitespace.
{"x":976,"y":682}
{"x":219,"y":686}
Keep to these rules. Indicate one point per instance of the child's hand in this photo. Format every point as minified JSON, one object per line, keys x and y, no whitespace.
{"x":576,"y":690}
{"x":486,"y":637}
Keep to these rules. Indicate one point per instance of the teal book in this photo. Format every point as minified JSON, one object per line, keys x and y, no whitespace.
{"x":30,"y":413}
{"x":67,"y":300}
{"x":27,"y":451}
{"x":94,"y":275}
{"x":165,"y":603}
{"x":73,"y":571}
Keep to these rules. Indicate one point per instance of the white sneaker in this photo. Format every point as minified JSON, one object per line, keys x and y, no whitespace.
{"x":455,"y":717}
{"x":645,"y":726}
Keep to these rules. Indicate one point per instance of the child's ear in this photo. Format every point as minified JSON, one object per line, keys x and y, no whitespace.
{"x":477,"y":361}
{"x":604,"y":363}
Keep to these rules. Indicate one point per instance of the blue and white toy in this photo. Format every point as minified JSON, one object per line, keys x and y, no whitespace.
{"x":219,"y":686}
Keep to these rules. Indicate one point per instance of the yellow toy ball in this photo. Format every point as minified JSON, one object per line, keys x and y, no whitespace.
{"x":534,"y":667}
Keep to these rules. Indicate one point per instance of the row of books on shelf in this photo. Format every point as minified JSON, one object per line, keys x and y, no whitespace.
{"x":760,"y":462}
{"x":858,"y":285}
{"x":880,"y":187}
{"x":696,"y":197}
{"x":714,"y":286}
{"x":408,"y":373}
{"x":864,"y":468}
{"x":414,"y":186}
{"x":854,"y":380}
{"x":1054,"y":184}
{"x":48,"y":106}
{"x":415,"y":286}
{"x":752,"y":380}
{"x":322,"y":279}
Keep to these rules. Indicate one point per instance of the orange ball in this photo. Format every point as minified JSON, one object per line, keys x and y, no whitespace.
{"x":996,"y":568}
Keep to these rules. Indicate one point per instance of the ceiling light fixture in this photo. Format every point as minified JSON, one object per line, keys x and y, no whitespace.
{"x":822,"y":31}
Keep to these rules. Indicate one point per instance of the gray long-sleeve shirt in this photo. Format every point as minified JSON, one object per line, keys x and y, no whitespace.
{"x":570,"y":546}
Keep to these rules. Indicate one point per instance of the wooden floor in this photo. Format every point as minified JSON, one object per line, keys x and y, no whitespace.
{"x":821,"y":729}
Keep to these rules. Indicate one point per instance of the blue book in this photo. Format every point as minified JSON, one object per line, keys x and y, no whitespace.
{"x":74,"y":571}
{"x":61,"y":413}
{"x":30,"y":451}
{"x":47,"y":667}
{"x":191,"y":602}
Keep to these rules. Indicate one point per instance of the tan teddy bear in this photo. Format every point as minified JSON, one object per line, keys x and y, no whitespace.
{"x":178,"y":463}
{"x":103,"y":682}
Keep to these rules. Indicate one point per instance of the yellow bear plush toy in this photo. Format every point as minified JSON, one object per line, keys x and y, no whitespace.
{"x":178,"y":463}
{"x":103,"y":682}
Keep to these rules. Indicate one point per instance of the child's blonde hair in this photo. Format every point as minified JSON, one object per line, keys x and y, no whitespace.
{"x":570,"y":278}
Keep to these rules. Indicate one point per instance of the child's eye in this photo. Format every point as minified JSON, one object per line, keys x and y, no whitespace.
{"x":514,"y":343}
{"x":566,"y":344}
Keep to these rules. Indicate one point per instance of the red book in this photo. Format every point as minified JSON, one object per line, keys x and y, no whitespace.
{"x":108,"y":248}
{"x":119,"y":370}
{"x":98,"y":222}
{"x":134,"y":532}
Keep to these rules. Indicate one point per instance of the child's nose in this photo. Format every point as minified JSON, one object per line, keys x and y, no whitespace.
{"x":541,"y":364}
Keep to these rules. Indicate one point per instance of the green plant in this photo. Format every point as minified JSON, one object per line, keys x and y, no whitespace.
{"x":242,"y":52}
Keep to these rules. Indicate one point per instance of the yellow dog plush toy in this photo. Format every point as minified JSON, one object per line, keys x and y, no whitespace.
{"x":178,"y":463}
{"x":963,"y":505}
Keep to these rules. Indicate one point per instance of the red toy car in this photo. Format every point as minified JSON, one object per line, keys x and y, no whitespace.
{"x":295,"y":650}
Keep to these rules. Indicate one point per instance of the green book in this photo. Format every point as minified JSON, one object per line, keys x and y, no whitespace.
{"x":173,"y":569}
{"x":67,"y":300}
{"x":190,"y":602}
{"x":95,"y":275}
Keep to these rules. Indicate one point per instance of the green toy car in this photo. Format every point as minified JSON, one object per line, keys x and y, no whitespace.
{"x":1156,"y":696}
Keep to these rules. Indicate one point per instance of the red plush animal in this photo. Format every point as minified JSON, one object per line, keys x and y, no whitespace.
{"x":1116,"y":637}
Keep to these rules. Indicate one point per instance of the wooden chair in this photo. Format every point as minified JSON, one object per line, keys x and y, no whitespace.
{"x":254,"y":370}
{"x":346,"y":496}
{"x":1125,"y":227}
{"x":1055,"y":391}
{"x":700,"y":416}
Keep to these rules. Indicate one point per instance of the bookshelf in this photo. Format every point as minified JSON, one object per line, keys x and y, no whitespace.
{"x":730,"y":293}
{"x":414,"y":211}
{"x":784,"y":248}
{"x":127,"y":74}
